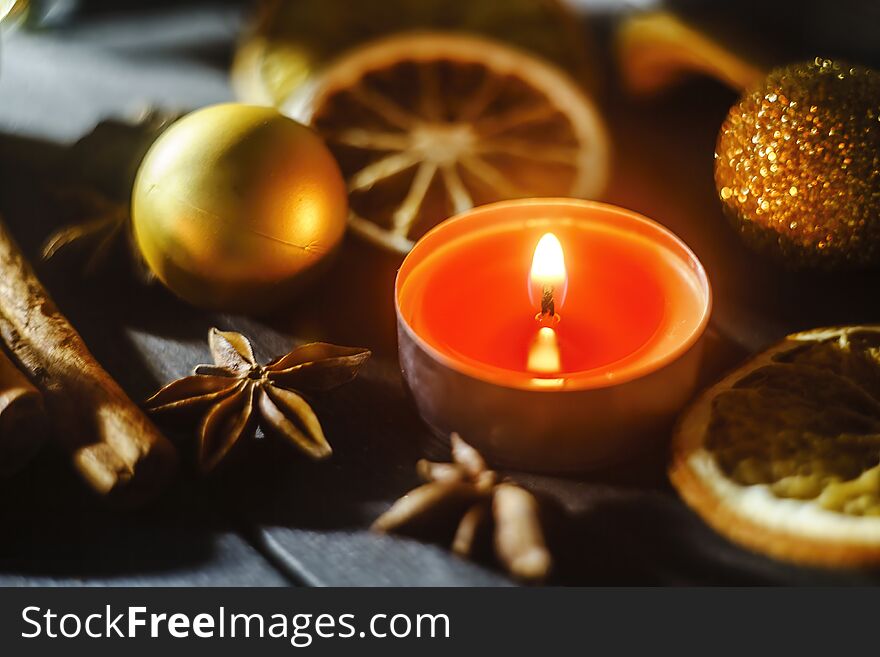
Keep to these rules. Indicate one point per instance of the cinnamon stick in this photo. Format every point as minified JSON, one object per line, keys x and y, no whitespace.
{"x":519,"y":539}
{"x":114,"y":447}
{"x":23,"y":423}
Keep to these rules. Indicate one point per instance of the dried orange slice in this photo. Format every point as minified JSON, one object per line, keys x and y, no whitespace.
{"x":783,"y":455}
{"x":426,"y":125}
{"x":286,"y":42}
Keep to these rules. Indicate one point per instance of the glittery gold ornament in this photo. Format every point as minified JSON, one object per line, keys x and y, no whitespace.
{"x":797,"y":165}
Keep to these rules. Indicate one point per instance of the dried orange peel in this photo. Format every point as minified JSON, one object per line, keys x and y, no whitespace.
{"x":783,"y":455}
{"x":657,"y":49}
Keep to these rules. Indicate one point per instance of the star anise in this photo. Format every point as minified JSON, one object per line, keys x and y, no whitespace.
{"x":478,"y":506}
{"x":98,"y":175}
{"x":236,"y":394}
{"x":99,"y":235}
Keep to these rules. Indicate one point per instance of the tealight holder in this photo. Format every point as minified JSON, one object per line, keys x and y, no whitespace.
{"x":624,"y":347}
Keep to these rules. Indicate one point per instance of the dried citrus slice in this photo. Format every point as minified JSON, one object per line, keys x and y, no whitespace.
{"x":287,"y":42}
{"x":426,"y":125}
{"x":783,"y":455}
{"x":657,"y":49}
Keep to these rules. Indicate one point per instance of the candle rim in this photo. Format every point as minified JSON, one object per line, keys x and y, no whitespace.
{"x":572,"y":381}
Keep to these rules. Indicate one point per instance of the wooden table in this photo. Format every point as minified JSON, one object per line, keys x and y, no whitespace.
{"x":278,"y":520}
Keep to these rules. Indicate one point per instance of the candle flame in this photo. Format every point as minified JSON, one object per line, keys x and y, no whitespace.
{"x":548,"y":263}
{"x":548,"y":278}
{"x":544,"y":352}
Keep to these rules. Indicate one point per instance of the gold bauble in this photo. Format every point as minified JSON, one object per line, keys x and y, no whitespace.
{"x":797,"y":165}
{"x":235,"y":206}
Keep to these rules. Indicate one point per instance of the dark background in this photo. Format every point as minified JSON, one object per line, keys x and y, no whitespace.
{"x":277,"y":520}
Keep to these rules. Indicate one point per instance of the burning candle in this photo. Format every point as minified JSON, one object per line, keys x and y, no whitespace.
{"x":553,"y":334}
{"x":547,"y":284}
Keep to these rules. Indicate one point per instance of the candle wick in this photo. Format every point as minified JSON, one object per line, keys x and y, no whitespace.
{"x":548,"y":305}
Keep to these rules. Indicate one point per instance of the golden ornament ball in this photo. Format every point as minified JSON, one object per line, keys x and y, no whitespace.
{"x":797,"y":165}
{"x":236,"y":207}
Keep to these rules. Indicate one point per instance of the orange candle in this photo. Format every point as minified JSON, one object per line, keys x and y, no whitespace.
{"x":533,"y":305}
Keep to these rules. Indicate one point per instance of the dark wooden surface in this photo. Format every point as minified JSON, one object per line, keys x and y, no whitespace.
{"x":273,"y":519}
